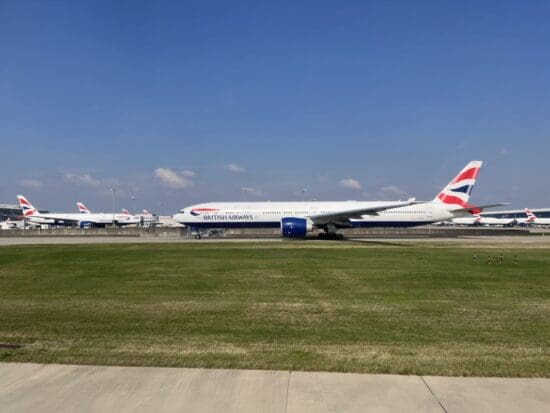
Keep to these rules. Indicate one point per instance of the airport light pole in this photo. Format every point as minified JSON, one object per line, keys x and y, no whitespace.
{"x":133,"y":204}
{"x":113,"y":194}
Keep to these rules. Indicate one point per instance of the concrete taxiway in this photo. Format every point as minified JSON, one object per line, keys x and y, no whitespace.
{"x":473,"y":241}
{"x":67,"y":388}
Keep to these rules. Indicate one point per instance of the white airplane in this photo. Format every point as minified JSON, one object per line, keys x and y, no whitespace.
{"x":296,"y":219}
{"x":477,"y":219}
{"x":128,"y":218}
{"x":470,"y":221}
{"x":532,"y":219}
{"x":33,"y":216}
{"x":147,"y":218}
{"x":124,"y":218}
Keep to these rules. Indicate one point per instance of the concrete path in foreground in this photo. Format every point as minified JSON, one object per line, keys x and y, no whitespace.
{"x":66,"y":388}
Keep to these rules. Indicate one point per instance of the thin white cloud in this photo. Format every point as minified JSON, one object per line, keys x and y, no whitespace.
{"x":103,"y":186}
{"x":82,"y":179}
{"x":394,"y":190}
{"x":350,"y":183}
{"x":251,"y":191}
{"x":188,"y":174}
{"x":173,"y":179}
{"x":31,"y":183}
{"x":234,"y":168}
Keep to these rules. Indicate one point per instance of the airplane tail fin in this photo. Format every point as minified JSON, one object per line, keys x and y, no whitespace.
{"x":28,"y":209}
{"x":125,"y":211}
{"x":82,"y":208}
{"x":145,"y":212}
{"x":457,"y":193}
{"x":530,"y":215}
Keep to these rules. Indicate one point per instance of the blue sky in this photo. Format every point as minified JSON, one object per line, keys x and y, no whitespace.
{"x":181,"y":102}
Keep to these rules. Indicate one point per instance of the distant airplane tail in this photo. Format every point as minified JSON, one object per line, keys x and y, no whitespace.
{"x":82,"y":208}
{"x":28,"y":209}
{"x":530,"y":215}
{"x":125,"y":211}
{"x":145,"y":212}
{"x":457,"y":193}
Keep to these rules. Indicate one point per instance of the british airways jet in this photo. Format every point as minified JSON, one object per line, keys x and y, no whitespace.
{"x":296,"y":219}
{"x":532,"y":219}
{"x":124,"y":218}
{"x":32,"y":215}
{"x":482,"y":220}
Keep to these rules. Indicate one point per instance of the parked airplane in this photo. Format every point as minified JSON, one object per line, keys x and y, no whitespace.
{"x":296,"y":219}
{"x":125,"y":218}
{"x":128,"y":218}
{"x":473,"y":220}
{"x":532,"y":219}
{"x":478,"y":219}
{"x":32,"y":215}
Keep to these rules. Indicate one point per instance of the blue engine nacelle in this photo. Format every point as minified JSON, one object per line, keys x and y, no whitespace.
{"x":90,"y":224}
{"x":295,"y":227}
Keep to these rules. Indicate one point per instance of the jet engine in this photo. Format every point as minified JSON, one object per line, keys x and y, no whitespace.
{"x":86,"y":224}
{"x":295,"y":227}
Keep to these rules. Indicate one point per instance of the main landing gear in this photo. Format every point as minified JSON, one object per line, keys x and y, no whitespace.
{"x":331,"y":235}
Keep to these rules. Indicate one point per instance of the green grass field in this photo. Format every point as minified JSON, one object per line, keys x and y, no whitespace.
{"x":291,"y":305}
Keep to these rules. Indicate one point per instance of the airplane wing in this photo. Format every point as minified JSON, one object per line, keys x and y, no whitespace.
{"x":476,"y":208}
{"x":58,"y":219}
{"x":357,"y":213}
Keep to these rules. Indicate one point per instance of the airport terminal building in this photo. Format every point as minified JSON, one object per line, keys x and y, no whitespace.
{"x":9,"y":211}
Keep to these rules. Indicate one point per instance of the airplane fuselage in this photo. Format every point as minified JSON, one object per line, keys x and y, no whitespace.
{"x":270,"y":214}
{"x":93,"y":219}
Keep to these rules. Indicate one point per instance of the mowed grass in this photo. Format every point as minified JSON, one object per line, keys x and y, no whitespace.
{"x":292,"y":305}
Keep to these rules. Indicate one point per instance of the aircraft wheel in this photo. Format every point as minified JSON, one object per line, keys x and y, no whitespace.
{"x":339,"y":237}
{"x":198,"y":236}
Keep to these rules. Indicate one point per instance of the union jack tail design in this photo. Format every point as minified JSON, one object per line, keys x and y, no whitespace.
{"x":28,"y":209}
{"x":82,"y":208}
{"x":530,"y":215}
{"x":125,"y":211}
{"x":457,"y":193}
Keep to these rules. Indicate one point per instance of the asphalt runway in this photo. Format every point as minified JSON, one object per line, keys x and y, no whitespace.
{"x":68,"y":388}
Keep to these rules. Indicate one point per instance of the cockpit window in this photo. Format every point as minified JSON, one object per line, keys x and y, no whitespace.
{"x":182,"y":211}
